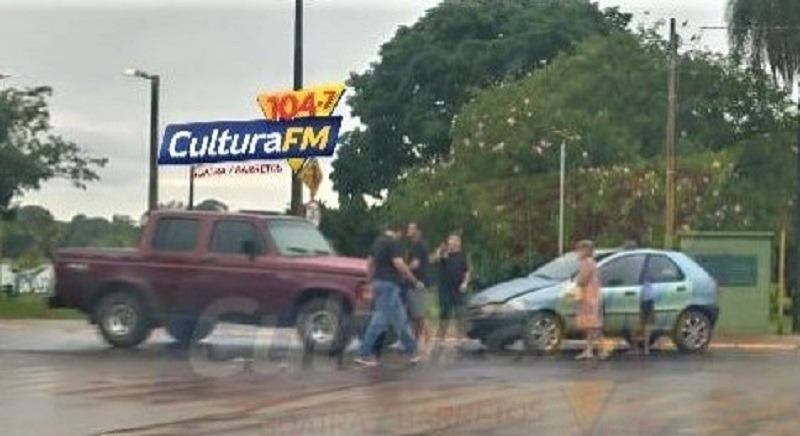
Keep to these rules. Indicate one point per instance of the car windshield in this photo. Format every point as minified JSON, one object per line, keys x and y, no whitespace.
{"x":298,"y":238}
{"x":558,"y":269}
{"x":565,"y":267}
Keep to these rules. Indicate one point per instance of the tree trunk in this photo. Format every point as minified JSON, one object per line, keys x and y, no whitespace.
{"x":795,"y":271}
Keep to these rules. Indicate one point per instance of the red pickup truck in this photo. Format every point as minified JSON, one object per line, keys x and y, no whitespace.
{"x":192,"y":269}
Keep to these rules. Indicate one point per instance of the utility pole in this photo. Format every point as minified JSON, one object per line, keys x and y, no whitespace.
{"x":191,"y":187}
{"x":669,"y":221}
{"x":297,"y":186}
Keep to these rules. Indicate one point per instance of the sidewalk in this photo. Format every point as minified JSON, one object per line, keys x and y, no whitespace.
{"x":756,"y":342}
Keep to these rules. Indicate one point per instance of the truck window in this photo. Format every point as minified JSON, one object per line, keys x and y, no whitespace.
{"x":176,"y":235}
{"x":229,"y":236}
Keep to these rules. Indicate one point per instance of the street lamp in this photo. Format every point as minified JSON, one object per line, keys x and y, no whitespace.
{"x":152,"y":188}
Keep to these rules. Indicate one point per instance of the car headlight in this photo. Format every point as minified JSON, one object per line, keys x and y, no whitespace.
{"x":502,"y":308}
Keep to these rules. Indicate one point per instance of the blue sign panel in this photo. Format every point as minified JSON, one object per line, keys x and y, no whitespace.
{"x":235,"y":141}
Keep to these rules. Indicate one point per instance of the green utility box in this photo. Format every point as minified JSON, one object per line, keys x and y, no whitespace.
{"x":741,"y":263}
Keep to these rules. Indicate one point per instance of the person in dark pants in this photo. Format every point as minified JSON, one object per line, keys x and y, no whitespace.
{"x":387,"y":271}
{"x":417,"y":299}
{"x":454,"y":275}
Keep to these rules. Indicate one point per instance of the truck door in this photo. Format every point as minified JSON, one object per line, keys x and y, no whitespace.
{"x":234,"y":274}
{"x":172,"y":261}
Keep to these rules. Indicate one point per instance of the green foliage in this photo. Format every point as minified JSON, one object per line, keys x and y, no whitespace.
{"x":211,"y":204}
{"x":765,"y":31}
{"x":608,"y":102}
{"x":351,"y":228}
{"x":34,"y":232}
{"x":30,"y":153}
{"x":407,"y":101}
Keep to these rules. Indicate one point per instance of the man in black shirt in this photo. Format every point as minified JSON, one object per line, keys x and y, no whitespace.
{"x":416,"y":299}
{"x":454,"y":275}
{"x":388,"y":272}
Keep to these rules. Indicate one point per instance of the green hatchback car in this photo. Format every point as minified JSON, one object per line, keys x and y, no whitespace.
{"x":539,"y":309}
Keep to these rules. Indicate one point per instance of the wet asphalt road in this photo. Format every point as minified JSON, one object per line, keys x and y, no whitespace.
{"x":59,"y":378}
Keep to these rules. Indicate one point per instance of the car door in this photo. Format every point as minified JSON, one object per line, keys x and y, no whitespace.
{"x":620,"y":278}
{"x":670,"y":289}
{"x":233,"y":269}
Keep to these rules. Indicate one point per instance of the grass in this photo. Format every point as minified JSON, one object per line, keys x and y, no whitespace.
{"x":30,"y":306}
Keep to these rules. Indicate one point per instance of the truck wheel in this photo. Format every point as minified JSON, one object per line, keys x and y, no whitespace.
{"x":122,"y":319}
{"x":189,"y":330}
{"x":692,"y":331}
{"x":320,"y":323}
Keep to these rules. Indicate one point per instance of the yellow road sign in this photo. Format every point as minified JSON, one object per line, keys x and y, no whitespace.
{"x":311,"y":175}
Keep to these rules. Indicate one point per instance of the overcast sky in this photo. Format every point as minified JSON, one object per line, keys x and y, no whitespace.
{"x":214,"y":57}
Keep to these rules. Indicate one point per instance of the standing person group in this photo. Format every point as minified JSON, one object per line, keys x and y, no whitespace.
{"x":394,"y":276}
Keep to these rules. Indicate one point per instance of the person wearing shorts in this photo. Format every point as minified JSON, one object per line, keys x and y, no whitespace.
{"x":454,"y":275}
{"x":417,"y":298}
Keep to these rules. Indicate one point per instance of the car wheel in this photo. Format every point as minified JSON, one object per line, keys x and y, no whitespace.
{"x":543,"y":333}
{"x":189,"y":330}
{"x":692,"y":332}
{"x":122,"y":319}
{"x":498,"y":341}
{"x":321,"y":323}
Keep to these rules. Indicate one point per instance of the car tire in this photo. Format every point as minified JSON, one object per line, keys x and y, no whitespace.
{"x":187,"y":331}
{"x":543,"y":333}
{"x":692,"y":331}
{"x":321,"y":324}
{"x":498,"y":341}
{"x":122,"y":319}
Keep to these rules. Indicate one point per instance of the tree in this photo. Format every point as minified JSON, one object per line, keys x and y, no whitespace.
{"x":501,"y":181}
{"x":211,"y":204}
{"x":30,"y":153}
{"x":408,"y":100}
{"x":768,"y":33}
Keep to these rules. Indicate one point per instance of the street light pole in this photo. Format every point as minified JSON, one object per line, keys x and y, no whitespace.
{"x":297,"y":186}
{"x":155,"y":85}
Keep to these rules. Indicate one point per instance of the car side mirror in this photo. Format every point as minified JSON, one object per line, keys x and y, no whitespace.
{"x":250,"y":249}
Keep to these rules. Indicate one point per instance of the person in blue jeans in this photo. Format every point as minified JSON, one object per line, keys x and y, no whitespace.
{"x":388,"y":271}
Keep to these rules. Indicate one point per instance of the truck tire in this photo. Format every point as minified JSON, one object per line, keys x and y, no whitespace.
{"x":122,"y":319}
{"x":187,"y":331}
{"x":321,"y":324}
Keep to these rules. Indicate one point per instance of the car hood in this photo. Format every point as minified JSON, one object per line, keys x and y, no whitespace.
{"x":502,"y":292}
{"x":332,"y":264}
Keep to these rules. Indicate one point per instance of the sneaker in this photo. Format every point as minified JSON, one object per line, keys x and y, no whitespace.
{"x":415,"y":359}
{"x":367,"y":361}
